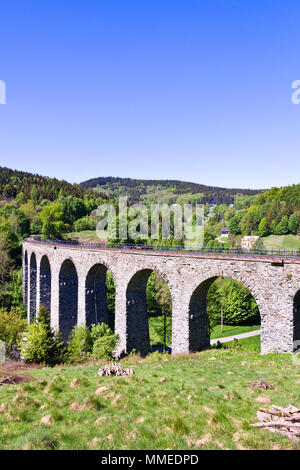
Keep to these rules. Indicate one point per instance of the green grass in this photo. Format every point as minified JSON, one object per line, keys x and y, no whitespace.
{"x":282,"y":242}
{"x":156,"y":330}
{"x":84,"y":235}
{"x":229,"y":330}
{"x":203,"y":402}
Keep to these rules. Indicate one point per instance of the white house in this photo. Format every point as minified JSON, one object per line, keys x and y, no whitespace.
{"x":248,"y":242}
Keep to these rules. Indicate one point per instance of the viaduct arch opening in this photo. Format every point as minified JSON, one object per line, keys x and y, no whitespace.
{"x":68,"y":298}
{"x":296,"y":319}
{"x":148,"y":298}
{"x":32,"y":296}
{"x":45,"y":283}
{"x":216,"y":297}
{"x":99,"y":296}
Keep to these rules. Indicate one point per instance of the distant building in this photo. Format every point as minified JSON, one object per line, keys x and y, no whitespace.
{"x":224,"y":232}
{"x":249,"y":241}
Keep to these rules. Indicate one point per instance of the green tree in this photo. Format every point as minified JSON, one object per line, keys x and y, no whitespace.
{"x":239,"y":307}
{"x":43,"y":345}
{"x":273,"y":227}
{"x":34,"y":195}
{"x":293,"y":224}
{"x":263,"y":229}
{"x":51,"y":215}
{"x":283,"y":226}
{"x":234,"y":225}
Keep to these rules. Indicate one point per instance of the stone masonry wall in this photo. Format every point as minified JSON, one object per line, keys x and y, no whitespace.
{"x":188,"y":275}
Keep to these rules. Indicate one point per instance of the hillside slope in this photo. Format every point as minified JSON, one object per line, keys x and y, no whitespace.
{"x":136,"y":189}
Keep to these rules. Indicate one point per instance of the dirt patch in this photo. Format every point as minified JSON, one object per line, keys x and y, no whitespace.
{"x":9,"y":372}
{"x":13,"y":379}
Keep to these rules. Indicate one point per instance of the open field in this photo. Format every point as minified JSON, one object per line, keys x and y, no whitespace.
{"x":282,"y":242}
{"x":203,"y":401}
{"x":83,"y":236}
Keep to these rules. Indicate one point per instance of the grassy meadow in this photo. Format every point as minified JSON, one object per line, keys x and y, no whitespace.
{"x":201,"y":401}
{"x":282,"y":242}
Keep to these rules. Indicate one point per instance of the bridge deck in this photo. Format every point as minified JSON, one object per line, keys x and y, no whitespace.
{"x":278,"y":257}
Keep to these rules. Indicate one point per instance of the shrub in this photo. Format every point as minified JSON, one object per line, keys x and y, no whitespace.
{"x":43,"y":345}
{"x":80,"y":342}
{"x":11,"y":326}
{"x":104,"y":347}
{"x":99,"y":330}
{"x":85,"y":223}
{"x":104,"y":341}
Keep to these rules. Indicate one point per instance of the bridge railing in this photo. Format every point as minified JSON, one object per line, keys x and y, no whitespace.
{"x":207,"y":250}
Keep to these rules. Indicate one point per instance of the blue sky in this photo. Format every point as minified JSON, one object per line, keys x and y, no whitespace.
{"x":192,"y":90}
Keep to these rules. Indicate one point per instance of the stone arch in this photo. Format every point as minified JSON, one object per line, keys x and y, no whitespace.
{"x":138,"y":337}
{"x":96,"y":306}
{"x":33,"y":289}
{"x":25,"y":279}
{"x":199,"y":337}
{"x":68,"y":298}
{"x":296,"y":321}
{"x":45,"y":283}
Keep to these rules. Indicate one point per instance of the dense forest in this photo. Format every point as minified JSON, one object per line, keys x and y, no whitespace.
{"x":13,"y":182}
{"x":274,"y":212}
{"x":169,"y":190}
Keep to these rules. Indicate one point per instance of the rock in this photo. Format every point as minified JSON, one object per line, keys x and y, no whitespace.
{"x":100,"y":420}
{"x":100,"y":390}
{"x":74,"y":383}
{"x":48,"y":420}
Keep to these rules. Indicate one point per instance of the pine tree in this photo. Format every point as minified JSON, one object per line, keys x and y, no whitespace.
{"x":43,"y":345}
{"x":293,"y":224}
{"x":263,"y":229}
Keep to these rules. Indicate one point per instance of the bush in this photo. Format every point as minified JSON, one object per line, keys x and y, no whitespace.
{"x":11,"y":326}
{"x":104,"y":341}
{"x":104,"y":347}
{"x":99,"y":330}
{"x":85,"y":223}
{"x":80,"y":342}
{"x":43,"y":345}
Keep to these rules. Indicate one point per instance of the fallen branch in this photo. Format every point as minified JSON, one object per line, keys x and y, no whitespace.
{"x":285,"y":421}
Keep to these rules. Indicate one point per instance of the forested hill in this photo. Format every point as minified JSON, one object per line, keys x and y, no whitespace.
{"x":13,"y":182}
{"x":136,"y":189}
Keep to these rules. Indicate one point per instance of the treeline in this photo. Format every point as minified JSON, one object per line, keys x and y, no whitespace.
{"x":276,"y":212}
{"x":13,"y":182}
{"x":32,"y":204}
{"x":134,"y":188}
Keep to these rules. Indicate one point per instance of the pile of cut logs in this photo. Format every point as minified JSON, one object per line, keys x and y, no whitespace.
{"x":114,"y":369}
{"x":285,"y":421}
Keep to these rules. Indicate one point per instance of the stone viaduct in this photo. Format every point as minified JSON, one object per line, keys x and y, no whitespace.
{"x":70,"y":281}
